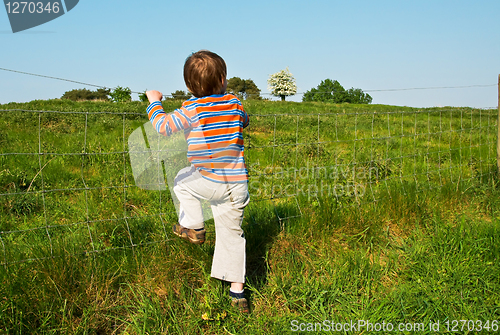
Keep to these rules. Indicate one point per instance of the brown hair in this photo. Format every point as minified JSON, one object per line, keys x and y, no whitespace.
{"x":204,"y":72}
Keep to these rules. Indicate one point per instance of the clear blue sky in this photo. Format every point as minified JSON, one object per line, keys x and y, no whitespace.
{"x":372,"y":45}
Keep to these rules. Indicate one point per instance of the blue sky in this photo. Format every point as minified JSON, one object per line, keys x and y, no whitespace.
{"x":372,"y":45}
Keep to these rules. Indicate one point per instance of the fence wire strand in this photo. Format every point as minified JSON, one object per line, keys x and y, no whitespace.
{"x":293,"y":159}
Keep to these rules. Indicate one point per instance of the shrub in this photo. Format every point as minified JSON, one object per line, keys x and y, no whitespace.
{"x":85,"y":94}
{"x":243,"y":88}
{"x":332,"y":91}
{"x":180,"y":95}
{"x":121,"y":94}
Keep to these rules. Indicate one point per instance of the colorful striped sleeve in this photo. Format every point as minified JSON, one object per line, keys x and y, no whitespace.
{"x":246,"y":118}
{"x":247,"y":121}
{"x":166,"y":124}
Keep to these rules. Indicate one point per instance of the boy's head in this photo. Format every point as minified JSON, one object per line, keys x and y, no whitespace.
{"x":205,"y":74}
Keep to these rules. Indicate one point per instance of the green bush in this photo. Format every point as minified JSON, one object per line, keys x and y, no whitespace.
{"x":243,"y":88}
{"x":331,"y":91}
{"x":180,"y":95}
{"x":121,"y":94}
{"x":85,"y":94}
{"x":143,"y":97}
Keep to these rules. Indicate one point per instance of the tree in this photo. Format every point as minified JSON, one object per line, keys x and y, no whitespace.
{"x":356,"y":96}
{"x":85,"y":94}
{"x":243,"y":88}
{"x":282,"y":84}
{"x":143,"y":97}
{"x":180,"y":95}
{"x":332,"y":91}
{"x":121,"y":94}
{"x":328,"y":90}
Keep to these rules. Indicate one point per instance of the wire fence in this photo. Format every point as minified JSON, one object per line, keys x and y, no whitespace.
{"x":67,"y":187}
{"x":358,"y":157}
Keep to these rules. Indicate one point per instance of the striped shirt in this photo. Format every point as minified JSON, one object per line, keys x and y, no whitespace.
{"x":213,"y":128}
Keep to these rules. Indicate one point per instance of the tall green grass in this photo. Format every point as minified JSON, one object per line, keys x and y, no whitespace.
{"x":85,"y":252}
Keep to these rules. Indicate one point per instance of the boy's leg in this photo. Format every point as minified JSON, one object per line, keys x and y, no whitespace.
{"x":190,"y":211}
{"x":229,"y":262}
{"x":189,"y":191}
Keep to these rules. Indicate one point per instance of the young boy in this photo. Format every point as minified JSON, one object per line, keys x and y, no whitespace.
{"x":213,"y":123}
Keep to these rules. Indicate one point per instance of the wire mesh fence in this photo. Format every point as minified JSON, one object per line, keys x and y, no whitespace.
{"x":67,"y":186}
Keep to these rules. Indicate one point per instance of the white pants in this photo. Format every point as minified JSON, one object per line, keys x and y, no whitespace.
{"x":227,"y":201}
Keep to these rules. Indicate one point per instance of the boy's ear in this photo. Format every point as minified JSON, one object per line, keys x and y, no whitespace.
{"x":224,"y":84}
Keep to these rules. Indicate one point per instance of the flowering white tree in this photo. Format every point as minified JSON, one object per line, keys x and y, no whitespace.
{"x":282,"y":84}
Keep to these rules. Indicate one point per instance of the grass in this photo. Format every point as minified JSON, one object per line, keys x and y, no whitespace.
{"x":86,"y":252}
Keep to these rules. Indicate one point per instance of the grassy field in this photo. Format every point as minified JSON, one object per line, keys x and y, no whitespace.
{"x":378,"y":213}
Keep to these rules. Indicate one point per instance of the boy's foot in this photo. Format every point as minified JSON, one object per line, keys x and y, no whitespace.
{"x":241,"y":304}
{"x":192,"y":235}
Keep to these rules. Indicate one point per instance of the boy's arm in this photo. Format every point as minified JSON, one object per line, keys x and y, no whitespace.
{"x":164,"y":123}
{"x":246,"y":119}
{"x":154,"y":96}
